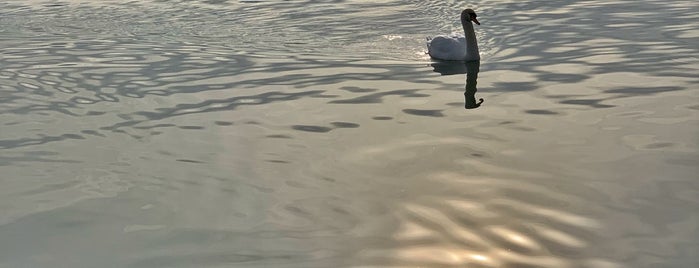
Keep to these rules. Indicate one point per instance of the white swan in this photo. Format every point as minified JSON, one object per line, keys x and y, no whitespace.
{"x":457,"y":47}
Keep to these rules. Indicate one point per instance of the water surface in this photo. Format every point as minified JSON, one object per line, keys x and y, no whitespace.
{"x":319,"y":134}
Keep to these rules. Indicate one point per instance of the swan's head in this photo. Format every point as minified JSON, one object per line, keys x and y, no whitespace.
{"x":469,"y":15}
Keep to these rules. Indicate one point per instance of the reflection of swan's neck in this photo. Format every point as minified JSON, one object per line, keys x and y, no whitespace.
{"x":471,"y":42}
{"x":472,"y":69}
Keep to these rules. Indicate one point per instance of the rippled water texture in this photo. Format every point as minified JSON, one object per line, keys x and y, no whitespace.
{"x":318,"y":134}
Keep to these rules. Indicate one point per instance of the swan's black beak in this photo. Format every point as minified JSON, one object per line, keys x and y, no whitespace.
{"x":473,"y":18}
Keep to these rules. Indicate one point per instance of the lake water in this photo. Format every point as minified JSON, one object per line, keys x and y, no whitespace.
{"x":318,"y":134}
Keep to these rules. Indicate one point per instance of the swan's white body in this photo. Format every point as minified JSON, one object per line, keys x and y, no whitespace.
{"x":445,"y":47}
{"x":456,"y":47}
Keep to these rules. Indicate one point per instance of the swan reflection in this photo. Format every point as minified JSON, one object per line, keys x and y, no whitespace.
{"x":471,"y":69}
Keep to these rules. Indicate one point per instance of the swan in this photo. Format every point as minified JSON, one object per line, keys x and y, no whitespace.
{"x":455,"y":47}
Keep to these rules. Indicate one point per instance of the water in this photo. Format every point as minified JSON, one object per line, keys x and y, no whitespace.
{"x":318,"y":134}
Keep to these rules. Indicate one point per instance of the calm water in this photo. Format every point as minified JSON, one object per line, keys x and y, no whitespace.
{"x":318,"y":134}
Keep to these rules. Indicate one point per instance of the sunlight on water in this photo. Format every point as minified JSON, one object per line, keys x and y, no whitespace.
{"x":214,"y":133}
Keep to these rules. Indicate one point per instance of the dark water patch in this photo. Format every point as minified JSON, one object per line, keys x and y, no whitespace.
{"x":328,"y":179}
{"x":542,"y":112}
{"x":223,"y":123}
{"x":594,"y":103}
{"x":521,"y":128}
{"x":562,"y":96}
{"x":95,"y":113}
{"x":632,"y":114}
{"x":166,"y":153}
{"x":191,"y":127}
{"x":431,"y":113}
{"x":563,"y":78}
{"x":155,"y":126}
{"x":190,"y":161}
{"x":358,"y":89}
{"x":383,"y":118}
{"x":92,"y":132}
{"x":301,"y":212}
{"x":279,"y":136}
{"x":125,"y":116}
{"x":360,"y":100}
{"x":278,"y":161}
{"x":344,"y":125}
{"x":308,"y":128}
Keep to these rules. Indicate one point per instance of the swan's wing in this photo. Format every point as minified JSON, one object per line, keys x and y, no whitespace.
{"x":447,"y":48}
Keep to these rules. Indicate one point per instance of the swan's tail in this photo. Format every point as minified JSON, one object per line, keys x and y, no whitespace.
{"x":429,"y":42}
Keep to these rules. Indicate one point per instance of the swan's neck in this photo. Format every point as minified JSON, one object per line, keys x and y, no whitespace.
{"x":471,"y":42}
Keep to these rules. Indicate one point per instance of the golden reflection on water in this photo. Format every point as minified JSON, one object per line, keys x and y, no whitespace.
{"x":478,"y":228}
{"x":496,"y":216}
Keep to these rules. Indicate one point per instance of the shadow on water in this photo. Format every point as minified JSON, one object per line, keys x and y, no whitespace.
{"x":471,"y":69}
{"x":87,"y":78}
{"x":570,"y":42}
{"x":127,"y":68}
